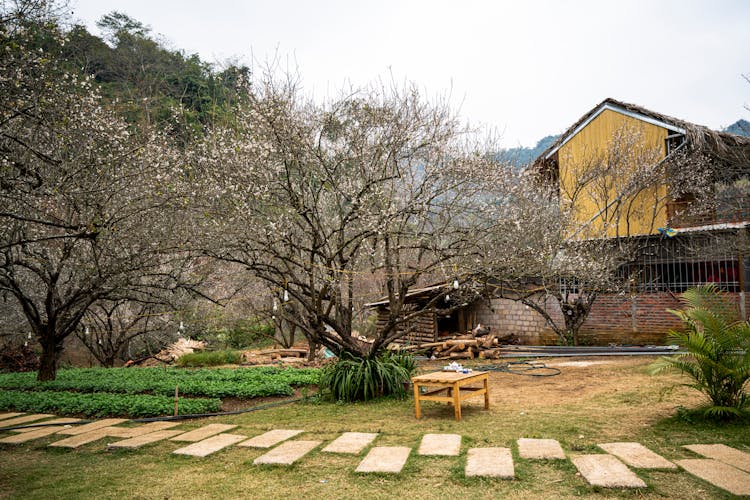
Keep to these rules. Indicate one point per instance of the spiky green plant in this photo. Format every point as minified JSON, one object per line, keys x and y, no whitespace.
{"x":717,"y":345}
{"x":354,"y":378}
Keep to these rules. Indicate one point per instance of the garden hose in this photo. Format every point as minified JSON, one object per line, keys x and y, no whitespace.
{"x":528,"y":368}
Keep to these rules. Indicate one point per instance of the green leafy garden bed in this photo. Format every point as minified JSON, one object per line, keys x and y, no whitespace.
{"x":141,"y":392}
{"x":103,"y":404}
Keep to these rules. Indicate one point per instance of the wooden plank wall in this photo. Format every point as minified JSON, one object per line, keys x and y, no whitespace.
{"x":423,"y":328}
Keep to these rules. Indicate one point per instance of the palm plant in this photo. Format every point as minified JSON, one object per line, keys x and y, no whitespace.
{"x":717,"y":351}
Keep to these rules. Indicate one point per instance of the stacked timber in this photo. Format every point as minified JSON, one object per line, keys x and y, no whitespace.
{"x":464,"y":346}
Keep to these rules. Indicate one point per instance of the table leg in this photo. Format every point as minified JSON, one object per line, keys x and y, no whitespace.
{"x":417,"y":410}
{"x":457,"y":400}
{"x":486,"y":393}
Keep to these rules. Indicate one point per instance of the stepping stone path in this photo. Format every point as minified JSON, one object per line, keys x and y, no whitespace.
{"x":388,"y":459}
{"x":540,"y":449}
{"x":490,"y":462}
{"x":351,"y":442}
{"x":606,"y":471}
{"x":82,"y":429}
{"x":209,"y":445}
{"x":144,"y":439}
{"x":722,"y":453}
{"x":719,"y":474}
{"x":270,"y":438}
{"x":24,"y":420}
{"x":726,"y":468}
{"x":287,"y":453}
{"x":638,"y":456}
{"x":204,"y":432}
{"x":440,"y":444}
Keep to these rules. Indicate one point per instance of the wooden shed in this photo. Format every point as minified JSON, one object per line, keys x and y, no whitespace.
{"x":435,"y":322}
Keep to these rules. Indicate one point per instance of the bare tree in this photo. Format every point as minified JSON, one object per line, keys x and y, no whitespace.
{"x":90,"y":210}
{"x":314,"y":198}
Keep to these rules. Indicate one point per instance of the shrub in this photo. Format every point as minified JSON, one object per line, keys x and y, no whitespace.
{"x":718,"y":351}
{"x":353,"y":378}
{"x":209,"y":358}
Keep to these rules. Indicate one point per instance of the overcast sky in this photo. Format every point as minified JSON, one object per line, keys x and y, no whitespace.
{"x":526,"y":68}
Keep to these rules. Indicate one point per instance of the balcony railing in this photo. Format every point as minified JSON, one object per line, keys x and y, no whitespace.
{"x":725,"y":210}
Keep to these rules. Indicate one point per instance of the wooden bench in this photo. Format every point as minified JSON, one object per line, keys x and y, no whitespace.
{"x":454,"y":385}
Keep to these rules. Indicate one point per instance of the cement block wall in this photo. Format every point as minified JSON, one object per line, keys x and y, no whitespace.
{"x":614,"y":319}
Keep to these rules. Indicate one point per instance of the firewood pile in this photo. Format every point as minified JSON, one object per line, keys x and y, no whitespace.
{"x":467,"y":346}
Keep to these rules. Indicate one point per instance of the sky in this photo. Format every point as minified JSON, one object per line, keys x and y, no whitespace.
{"x":525,"y":69}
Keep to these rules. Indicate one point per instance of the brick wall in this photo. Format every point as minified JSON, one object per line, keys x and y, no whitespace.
{"x":618,"y":319}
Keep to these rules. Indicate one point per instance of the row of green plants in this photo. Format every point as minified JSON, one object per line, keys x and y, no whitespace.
{"x":102,"y":404}
{"x":215,"y":383}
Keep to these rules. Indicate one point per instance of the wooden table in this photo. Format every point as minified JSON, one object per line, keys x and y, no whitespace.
{"x":454,"y":384}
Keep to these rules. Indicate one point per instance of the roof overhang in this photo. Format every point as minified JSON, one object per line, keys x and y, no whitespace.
{"x":617,"y":109}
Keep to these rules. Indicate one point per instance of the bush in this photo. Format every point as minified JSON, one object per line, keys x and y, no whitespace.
{"x":353,"y":378}
{"x":209,"y":358}
{"x":17,"y":358}
{"x":718,"y":351}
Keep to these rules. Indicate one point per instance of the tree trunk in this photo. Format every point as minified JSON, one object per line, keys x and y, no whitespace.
{"x":51,"y":351}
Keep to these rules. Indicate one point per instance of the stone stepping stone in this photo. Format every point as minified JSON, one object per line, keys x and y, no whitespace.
{"x":440,"y":444}
{"x":144,"y":439}
{"x":204,"y":432}
{"x":540,"y":449}
{"x":723,"y":453}
{"x":210,"y":445}
{"x":638,"y":456}
{"x":490,"y":462}
{"x":270,"y":438}
{"x":390,"y":459}
{"x":24,"y":420}
{"x":85,"y":428}
{"x":57,"y":422}
{"x":131,"y":432}
{"x":719,"y":474}
{"x":606,"y":471}
{"x":351,"y":442}
{"x":3,"y":416}
{"x":89,"y":437}
{"x":30,"y":435}
{"x":287,"y":453}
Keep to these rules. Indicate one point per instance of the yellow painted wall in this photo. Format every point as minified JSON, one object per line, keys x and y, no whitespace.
{"x":591,"y":148}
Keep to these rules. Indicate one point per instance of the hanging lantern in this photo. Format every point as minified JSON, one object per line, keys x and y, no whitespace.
{"x":275,"y":305}
{"x":286,"y":296}
{"x":455,"y":284}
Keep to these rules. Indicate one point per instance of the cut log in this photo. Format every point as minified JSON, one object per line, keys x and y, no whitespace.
{"x":461,"y":355}
{"x":464,"y":342}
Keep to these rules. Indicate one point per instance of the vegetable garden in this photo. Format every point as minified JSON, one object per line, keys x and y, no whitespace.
{"x":145,"y":392}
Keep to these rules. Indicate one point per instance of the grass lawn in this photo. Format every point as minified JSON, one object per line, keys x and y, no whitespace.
{"x":615,"y":400}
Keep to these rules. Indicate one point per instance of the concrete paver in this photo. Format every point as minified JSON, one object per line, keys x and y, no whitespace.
{"x":440,"y":444}
{"x":389,"y":459}
{"x":32,"y":426}
{"x":287,"y":453}
{"x":22,"y":437}
{"x":490,"y":462}
{"x":24,"y":420}
{"x":723,"y":453}
{"x":351,"y":442}
{"x":638,"y":456}
{"x":204,"y":432}
{"x":719,"y":474}
{"x":209,"y":445}
{"x":7,"y":415}
{"x":97,"y":424}
{"x":606,"y":471}
{"x":85,"y":438}
{"x":540,"y":449}
{"x":270,"y":438}
{"x":144,"y":439}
